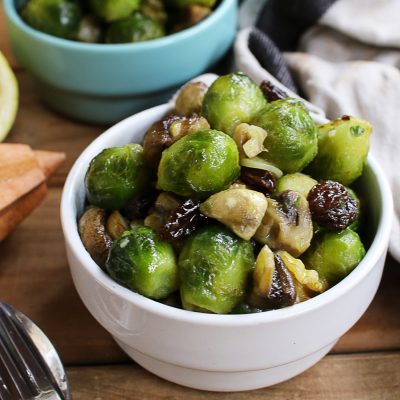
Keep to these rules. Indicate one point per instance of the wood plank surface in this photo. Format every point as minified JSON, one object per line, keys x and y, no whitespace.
{"x":336,"y":377}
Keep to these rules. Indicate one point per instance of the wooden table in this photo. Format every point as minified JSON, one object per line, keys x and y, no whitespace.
{"x":34,"y":277}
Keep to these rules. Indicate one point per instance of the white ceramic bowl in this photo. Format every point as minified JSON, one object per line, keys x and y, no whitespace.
{"x":221,"y":352}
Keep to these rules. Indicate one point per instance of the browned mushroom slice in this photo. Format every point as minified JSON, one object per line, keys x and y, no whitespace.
{"x":241,"y":210}
{"x":190,"y":98}
{"x":286,"y":224}
{"x":273,"y":285}
{"x":116,"y":225}
{"x":94,"y":235}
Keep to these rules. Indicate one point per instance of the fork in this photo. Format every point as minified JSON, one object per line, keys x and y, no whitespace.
{"x":29,"y":365}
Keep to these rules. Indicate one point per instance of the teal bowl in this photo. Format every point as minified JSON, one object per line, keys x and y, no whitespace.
{"x":104,"y":83}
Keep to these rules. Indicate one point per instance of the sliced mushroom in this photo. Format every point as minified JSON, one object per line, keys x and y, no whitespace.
{"x":241,"y":210}
{"x":190,"y":98}
{"x":307,"y":281}
{"x":273,"y":285}
{"x":94,"y":235}
{"x":286,"y":224}
{"x":116,"y":225}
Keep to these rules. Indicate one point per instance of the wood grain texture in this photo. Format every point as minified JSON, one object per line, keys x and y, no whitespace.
{"x":336,"y":377}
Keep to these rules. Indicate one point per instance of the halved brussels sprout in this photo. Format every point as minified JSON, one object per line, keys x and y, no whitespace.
{"x":342,"y":150}
{"x":272,"y":284}
{"x":56,"y":17}
{"x":241,"y":210}
{"x":112,"y":10}
{"x":135,"y":28}
{"x":297,"y":181}
{"x":230,"y":100}
{"x":334,"y":255}
{"x":141,"y":261}
{"x":291,"y":142}
{"x":287,"y":224}
{"x":214,"y":269}
{"x":199,"y":164}
{"x":93,"y":234}
{"x":115,"y":175}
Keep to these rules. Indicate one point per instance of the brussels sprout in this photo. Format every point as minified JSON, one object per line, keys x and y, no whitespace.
{"x":334,"y":255}
{"x":199,"y":164}
{"x":93,"y":234}
{"x":342,"y":150}
{"x":185,"y":3}
{"x":297,"y":181}
{"x":135,"y":28}
{"x":144,"y":263}
{"x":56,"y":17}
{"x":286,"y":224}
{"x":230,"y":100}
{"x":112,"y":10}
{"x":214,"y":269}
{"x":115,"y":175}
{"x":241,"y":210}
{"x":291,"y":142}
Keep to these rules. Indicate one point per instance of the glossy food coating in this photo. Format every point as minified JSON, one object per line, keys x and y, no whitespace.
{"x":199,"y":164}
{"x":141,"y":261}
{"x":214,"y":270}
{"x":115,"y":175}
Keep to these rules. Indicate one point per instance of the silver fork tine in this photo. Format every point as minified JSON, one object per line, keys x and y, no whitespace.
{"x":25,"y":358}
{"x":11,"y":376}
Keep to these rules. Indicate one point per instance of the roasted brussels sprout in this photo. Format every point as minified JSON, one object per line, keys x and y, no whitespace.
{"x":214,"y":269}
{"x":342,"y":150}
{"x":230,"y":100}
{"x":94,"y":235}
{"x":112,"y":10}
{"x":334,"y":255}
{"x":297,"y":181}
{"x":286,"y":224}
{"x":291,"y":142}
{"x":241,"y":210}
{"x":144,"y":263}
{"x":199,"y":164}
{"x":135,"y":28}
{"x":115,"y":175}
{"x":56,"y":17}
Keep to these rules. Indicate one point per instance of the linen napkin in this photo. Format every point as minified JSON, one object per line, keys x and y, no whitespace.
{"x":343,"y":56}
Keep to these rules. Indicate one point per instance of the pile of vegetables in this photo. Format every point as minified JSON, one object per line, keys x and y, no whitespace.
{"x":236,"y":201}
{"x":114,"y":21}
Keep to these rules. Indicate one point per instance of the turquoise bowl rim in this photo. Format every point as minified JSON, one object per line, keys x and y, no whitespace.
{"x":12,"y":14}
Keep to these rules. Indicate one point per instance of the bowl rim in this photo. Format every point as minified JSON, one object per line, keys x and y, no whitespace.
{"x":171,"y":39}
{"x":376,"y":250}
